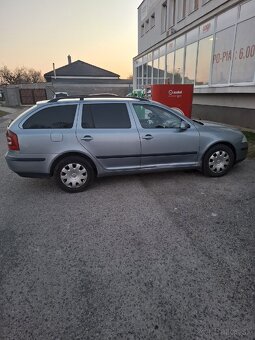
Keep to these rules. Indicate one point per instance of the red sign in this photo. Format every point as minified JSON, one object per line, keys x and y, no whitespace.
{"x":174,"y":96}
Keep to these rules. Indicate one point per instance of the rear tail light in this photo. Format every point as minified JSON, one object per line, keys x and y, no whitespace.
{"x":12,"y":140}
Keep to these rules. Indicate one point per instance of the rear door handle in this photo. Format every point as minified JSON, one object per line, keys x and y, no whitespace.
{"x":87,"y":138}
{"x":147,"y":137}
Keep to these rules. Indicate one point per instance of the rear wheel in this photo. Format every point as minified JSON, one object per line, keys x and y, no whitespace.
{"x":73,"y":174}
{"x":218,"y":160}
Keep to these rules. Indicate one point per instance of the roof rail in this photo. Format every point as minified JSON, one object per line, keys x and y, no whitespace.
{"x":96,"y":95}
{"x":81,"y":97}
{"x":53,"y":100}
{"x":139,"y":98}
{"x":105,"y":95}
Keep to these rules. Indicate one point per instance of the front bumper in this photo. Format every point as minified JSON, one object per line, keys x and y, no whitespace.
{"x":242,"y":152}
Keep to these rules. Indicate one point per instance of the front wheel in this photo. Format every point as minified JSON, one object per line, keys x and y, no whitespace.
{"x":218,"y":160}
{"x":73,"y":174}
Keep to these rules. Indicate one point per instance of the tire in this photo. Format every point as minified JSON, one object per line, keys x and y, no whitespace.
{"x":218,"y":160}
{"x":74,"y":174}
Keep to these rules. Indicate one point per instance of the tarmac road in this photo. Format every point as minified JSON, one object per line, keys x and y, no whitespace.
{"x":156,"y":256}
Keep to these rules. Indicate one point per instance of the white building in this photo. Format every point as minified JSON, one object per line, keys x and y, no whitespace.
{"x":209,"y":43}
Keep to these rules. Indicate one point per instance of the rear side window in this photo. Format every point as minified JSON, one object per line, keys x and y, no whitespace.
{"x":105,"y":116}
{"x":56,"y":117}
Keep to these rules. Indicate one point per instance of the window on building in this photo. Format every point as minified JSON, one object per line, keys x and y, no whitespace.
{"x":170,"y":46}
{"x":193,"y":5}
{"x":204,"y":61}
{"x":247,"y":10}
{"x":139,"y":73}
{"x":56,"y":117}
{"x":181,"y":9}
{"x":206,"y":29}
{"x":244,"y":53}
{"x":192,"y":36}
{"x":152,"y":20}
{"x":180,"y":42}
{"x":161,"y":70}
{"x":227,"y":19}
{"x":172,"y":12}
{"x":144,"y":74}
{"x":105,"y":116}
{"x":170,"y":68}
{"x":149,"y":70}
{"x":184,"y":8}
{"x":163,"y":17}
{"x":222,"y":56}
{"x":178,"y":67}
{"x":147,"y":25}
{"x":190,"y":63}
{"x":142,"y":29}
{"x":139,"y":83}
{"x":155,"y":71}
{"x":143,"y":10}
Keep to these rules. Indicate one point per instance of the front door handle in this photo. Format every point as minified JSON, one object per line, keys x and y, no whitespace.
{"x":87,"y":138}
{"x":147,"y":137}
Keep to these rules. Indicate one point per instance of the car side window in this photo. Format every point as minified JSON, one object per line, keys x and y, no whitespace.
{"x":55,"y":117}
{"x":105,"y":116}
{"x":153,"y":117}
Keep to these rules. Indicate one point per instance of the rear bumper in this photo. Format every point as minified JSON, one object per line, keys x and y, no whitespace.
{"x":28,"y":165}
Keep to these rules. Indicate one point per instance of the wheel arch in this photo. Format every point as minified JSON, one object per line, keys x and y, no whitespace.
{"x":71,"y":154}
{"x":231,"y":146}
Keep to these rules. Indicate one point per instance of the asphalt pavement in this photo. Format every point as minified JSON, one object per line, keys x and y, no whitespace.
{"x":155,"y":256}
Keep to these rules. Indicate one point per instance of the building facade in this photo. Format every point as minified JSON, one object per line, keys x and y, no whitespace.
{"x":208,"y":43}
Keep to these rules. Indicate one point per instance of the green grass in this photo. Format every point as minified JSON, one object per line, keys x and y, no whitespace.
{"x":251,"y":143}
{"x":249,"y":135}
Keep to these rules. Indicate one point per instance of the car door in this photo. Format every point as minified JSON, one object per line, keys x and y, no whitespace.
{"x":108,"y":132}
{"x":163,"y":142}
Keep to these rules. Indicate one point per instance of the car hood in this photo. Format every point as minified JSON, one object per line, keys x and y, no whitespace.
{"x":216,"y":125}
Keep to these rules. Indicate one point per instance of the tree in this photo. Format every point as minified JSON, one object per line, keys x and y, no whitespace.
{"x":20,"y":75}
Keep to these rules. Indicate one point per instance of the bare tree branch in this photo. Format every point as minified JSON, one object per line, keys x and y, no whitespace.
{"x":21,"y":75}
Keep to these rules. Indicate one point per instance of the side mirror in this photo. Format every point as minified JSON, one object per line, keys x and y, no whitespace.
{"x":184,"y":125}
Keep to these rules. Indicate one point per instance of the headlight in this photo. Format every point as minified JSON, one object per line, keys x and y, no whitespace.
{"x":244,"y":140}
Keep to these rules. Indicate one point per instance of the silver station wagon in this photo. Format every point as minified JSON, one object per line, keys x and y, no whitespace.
{"x":78,"y":139}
